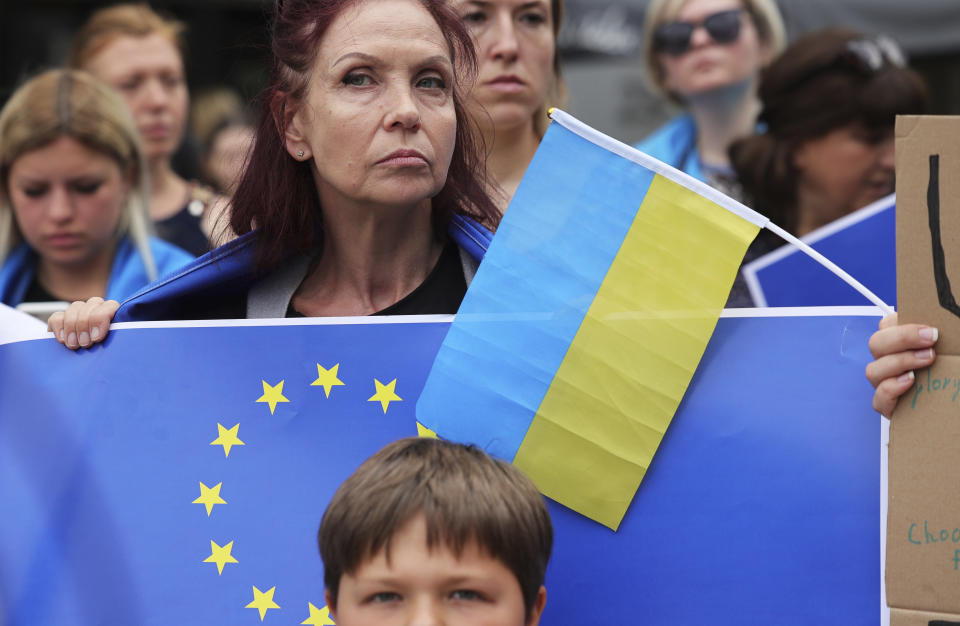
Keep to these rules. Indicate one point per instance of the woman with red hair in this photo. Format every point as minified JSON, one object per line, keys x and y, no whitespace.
{"x":364,"y":192}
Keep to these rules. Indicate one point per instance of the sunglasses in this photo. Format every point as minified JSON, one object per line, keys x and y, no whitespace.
{"x":673,"y":38}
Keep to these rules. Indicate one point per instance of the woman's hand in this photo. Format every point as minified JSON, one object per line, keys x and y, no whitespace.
{"x":897,"y":350}
{"x":83,"y":323}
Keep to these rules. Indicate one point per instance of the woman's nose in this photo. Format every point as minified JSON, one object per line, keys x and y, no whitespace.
{"x":885,"y":156}
{"x":60,"y":208}
{"x":403,"y":111}
{"x":505,"y":45}
{"x":154,"y":94}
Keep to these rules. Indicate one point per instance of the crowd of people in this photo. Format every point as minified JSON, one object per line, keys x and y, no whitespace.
{"x":384,"y":151}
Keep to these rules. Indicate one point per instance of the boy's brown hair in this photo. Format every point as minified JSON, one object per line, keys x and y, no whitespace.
{"x":464,"y":495}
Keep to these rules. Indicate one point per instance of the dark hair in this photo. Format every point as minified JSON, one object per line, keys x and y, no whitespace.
{"x":276,"y":193}
{"x":822,"y":82}
{"x":463,"y":494}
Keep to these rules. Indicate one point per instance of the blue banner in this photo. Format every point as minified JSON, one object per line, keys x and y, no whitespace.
{"x":761,"y":506}
{"x":862,"y":243}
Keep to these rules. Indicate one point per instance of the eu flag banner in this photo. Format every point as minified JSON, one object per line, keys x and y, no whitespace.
{"x":585,"y":322}
{"x":863,"y":243}
{"x":178,"y":476}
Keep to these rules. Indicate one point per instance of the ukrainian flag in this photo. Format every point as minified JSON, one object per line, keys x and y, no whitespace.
{"x":586,"y":321}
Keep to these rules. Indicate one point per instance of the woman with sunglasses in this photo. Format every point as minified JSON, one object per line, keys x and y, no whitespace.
{"x":705,"y":55}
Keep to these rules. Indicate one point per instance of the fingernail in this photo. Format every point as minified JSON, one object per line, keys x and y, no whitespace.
{"x":72,"y":339}
{"x":95,"y":333}
{"x":924,"y":355}
{"x":928,"y":333}
{"x":84,"y":339}
{"x":60,"y":336}
{"x":906,"y":378}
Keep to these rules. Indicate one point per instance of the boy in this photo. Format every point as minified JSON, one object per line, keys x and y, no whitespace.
{"x":432,"y":532}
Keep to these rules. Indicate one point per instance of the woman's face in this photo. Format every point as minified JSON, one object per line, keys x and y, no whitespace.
{"x":708,"y":65}
{"x":148,"y":72}
{"x":846,"y":169}
{"x":378,"y":118}
{"x":515,"y":43}
{"x":67,"y":200}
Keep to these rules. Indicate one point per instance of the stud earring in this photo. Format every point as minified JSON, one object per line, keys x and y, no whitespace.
{"x":299,"y":154}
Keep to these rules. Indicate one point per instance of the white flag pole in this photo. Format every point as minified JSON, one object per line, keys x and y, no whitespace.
{"x":830,"y":265}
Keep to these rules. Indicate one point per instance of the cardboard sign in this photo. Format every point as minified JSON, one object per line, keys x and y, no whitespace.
{"x":923,"y":525}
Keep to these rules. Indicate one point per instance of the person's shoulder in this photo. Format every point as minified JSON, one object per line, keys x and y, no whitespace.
{"x":671,"y":138}
{"x":212,"y":286}
{"x":168,"y":256}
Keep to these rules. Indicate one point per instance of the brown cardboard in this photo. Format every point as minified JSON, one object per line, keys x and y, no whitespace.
{"x":900,"y":617}
{"x":923,"y":520}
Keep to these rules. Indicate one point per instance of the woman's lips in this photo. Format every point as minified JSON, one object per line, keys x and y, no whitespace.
{"x":404,"y":158}
{"x":63,"y":240}
{"x":507,"y":83}
{"x":155,"y":131}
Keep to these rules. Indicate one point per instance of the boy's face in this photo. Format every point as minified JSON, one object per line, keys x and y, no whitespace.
{"x":432,"y":587}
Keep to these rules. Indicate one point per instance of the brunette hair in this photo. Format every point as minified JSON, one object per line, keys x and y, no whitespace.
{"x":764,"y":14}
{"x":276,"y":193}
{"x":819,"y":84}
{"x":70,"y":103}
{"x":122,"y":20}
{"x":464,"y":495}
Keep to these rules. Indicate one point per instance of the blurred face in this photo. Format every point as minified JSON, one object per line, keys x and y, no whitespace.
{"x":418,"y":585}
{"x":515,"y":43}
{"x":378,"y":118}
{"x":846,"y":169}
{"x":707,"y":64}
{"x":148,"y":72}
{"x":67,"y":200}
{"x":228,"y":153}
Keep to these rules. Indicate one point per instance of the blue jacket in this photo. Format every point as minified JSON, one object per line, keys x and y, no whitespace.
{"x":199,"y":289}
{"x":675,"y":143}
{"x":127,"y":275}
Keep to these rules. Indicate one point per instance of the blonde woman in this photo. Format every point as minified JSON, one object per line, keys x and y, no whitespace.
{"x":519,"y":79}
{"x":72,"y":195}
{"x":706,"y":56}
{"x":140,"y":54}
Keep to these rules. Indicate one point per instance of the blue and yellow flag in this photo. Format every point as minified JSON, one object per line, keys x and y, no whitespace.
{"x":586,"y":321}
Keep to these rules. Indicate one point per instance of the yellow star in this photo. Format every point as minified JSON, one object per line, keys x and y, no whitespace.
{"x":210,"y":496}
{"x":220,"y":555}
{"x":227,"y":438}
{"x":385,"y":394}
{"x":263,"y":601}
{"x":272,"y":395}
{"x":327,"y":378}
{"x":318,"y":617}
{"x":423,"y":431}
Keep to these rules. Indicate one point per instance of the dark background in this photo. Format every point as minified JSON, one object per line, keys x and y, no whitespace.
{"x":600,"y":47}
